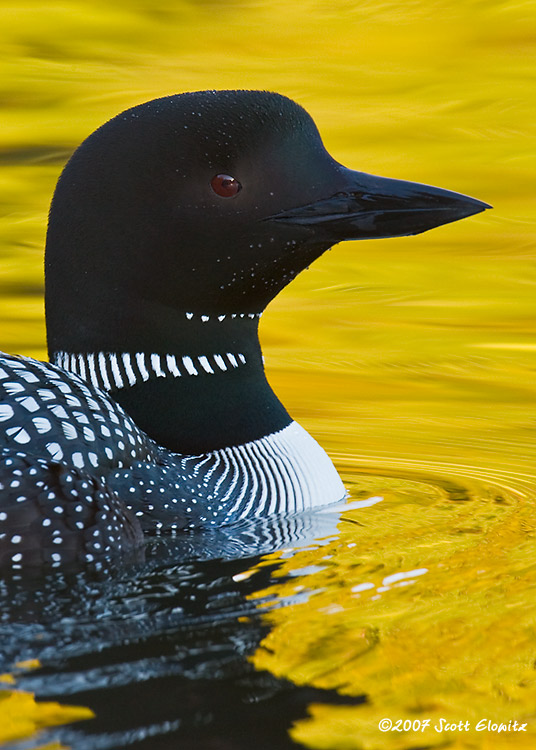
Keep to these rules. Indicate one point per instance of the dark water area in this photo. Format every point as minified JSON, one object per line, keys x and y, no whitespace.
{"x":159,"y":650}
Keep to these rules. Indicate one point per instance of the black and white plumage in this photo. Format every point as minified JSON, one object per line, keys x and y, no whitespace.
{"x":95,"y":478}
{"x":171,"y":229}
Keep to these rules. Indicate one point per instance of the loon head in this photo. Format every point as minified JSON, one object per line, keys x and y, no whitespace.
{"x":171,"y":229}
{"x":208,"y":202}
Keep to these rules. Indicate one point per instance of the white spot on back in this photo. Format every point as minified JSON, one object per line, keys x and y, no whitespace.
{"x":13,"y":388}
{"x":55,"y":451}
{"x":59,"y":411}
{"x":18,"y":434}
{"x":69,"y":430}
{"x":6,"y":412}
{"x":42,"y":425}
{"x":78,"y":460}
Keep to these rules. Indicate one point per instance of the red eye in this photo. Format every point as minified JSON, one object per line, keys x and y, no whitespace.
{"x":225,"y":186}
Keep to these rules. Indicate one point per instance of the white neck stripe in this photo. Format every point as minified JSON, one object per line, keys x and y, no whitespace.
{"x":220,"y":318}
{"x":283,"y":472}
{"x":112,"y":371}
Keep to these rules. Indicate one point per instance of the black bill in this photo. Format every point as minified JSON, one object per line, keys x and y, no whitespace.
{"x":371,"y":207}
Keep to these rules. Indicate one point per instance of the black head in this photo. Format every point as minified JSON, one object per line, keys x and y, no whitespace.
{"x":209,"y":202}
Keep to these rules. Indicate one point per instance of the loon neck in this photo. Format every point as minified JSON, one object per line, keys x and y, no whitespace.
{"x":200,"y":389}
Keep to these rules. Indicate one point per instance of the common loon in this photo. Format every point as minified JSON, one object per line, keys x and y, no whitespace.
{"x":171,"y":229}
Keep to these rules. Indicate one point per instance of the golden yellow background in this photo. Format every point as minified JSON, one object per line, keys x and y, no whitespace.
{"x":413,"y":361}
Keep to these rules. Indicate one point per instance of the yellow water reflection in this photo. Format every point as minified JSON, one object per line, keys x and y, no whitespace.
{"x":22,"y":716}
{"x":412,"y":360}
{"x":424,"y":605}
